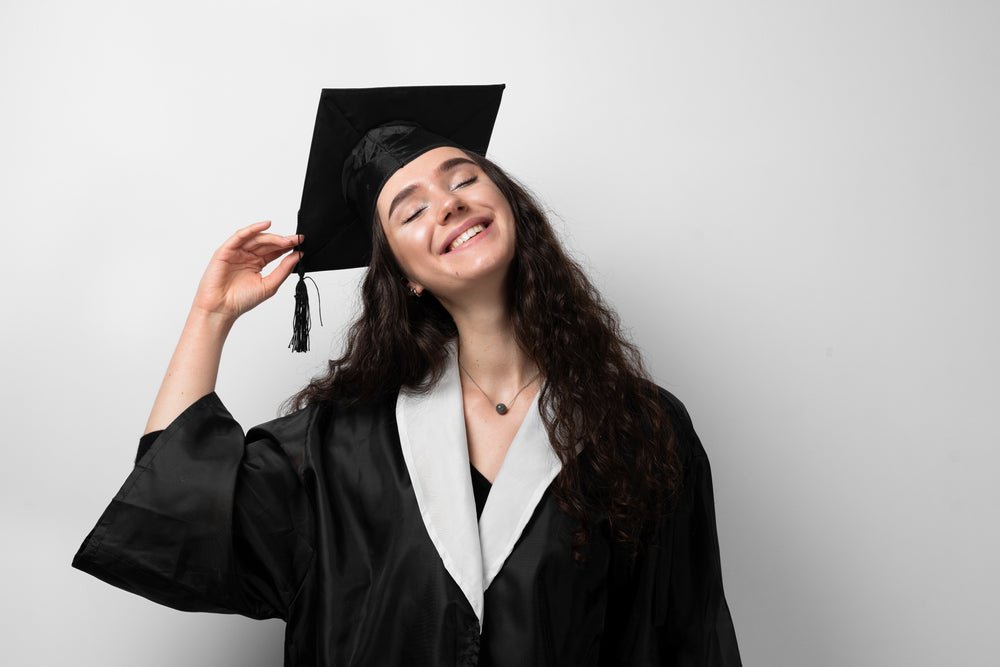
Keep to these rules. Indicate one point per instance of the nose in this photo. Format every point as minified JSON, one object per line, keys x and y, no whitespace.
{"x":452,"y":204}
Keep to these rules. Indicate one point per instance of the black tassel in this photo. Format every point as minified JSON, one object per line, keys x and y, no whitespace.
{"x":301,"y":321}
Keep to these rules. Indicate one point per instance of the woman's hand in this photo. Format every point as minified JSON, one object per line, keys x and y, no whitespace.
{"x":233,"y":283}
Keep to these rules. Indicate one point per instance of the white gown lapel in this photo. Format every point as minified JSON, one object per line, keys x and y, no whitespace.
{"x":528,"y":468}
{"x":436,"y":452}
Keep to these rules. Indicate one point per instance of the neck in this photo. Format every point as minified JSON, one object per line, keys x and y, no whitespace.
{"x":488,"y":350}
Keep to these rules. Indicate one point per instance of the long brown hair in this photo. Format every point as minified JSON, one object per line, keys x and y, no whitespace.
{"x":597,"y":392}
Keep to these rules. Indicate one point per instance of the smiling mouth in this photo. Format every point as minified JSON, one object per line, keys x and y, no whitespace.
{"x":468,"y":235}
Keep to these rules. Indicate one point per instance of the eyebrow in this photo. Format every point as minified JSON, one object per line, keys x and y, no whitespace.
{"x":442,"y":168}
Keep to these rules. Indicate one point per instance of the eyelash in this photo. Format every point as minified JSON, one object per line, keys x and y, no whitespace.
{"x":417,"y":212}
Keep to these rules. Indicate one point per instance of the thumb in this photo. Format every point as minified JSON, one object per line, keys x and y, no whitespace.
{"x":275,"y":278}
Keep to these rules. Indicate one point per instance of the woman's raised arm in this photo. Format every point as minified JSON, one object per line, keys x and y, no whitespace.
{"x":231,"y":285}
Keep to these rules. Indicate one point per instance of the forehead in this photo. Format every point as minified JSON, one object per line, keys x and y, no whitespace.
{"x":419,"y":168}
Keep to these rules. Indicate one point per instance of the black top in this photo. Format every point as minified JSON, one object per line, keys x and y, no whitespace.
{"x":481,"y":488}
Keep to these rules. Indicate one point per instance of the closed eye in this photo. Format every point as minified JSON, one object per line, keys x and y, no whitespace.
{"x":420,"y":210}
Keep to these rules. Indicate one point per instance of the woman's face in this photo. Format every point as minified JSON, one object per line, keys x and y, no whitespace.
{"x":433,"y":203}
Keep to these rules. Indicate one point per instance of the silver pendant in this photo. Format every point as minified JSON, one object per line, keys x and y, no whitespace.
{"x":501,"y":408}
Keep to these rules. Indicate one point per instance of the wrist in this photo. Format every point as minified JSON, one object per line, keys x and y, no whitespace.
{"x":213,"y":322}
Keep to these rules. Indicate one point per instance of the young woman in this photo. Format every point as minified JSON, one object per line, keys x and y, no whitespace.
{"x":486,"y":476}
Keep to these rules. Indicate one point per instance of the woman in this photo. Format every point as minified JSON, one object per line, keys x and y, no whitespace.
{"x":486,"y":476}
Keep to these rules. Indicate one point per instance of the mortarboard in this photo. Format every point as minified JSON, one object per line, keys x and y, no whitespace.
{"x":361,"y":137}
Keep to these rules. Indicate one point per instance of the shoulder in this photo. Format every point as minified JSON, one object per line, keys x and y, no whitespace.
{"x":688,"y":444}
{"x":285,"y":427}
{"x":295,"y":438}
{"x":675,"y":408}
{"x":317,"y":414}
{"x":318,"y":419}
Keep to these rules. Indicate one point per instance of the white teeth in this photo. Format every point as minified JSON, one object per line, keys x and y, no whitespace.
{"x":468,"y":234}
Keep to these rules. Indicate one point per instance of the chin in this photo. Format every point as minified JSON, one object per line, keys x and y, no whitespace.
{"x":485,"y":272}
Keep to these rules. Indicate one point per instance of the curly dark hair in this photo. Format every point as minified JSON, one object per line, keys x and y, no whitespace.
{"x":597,"y":392}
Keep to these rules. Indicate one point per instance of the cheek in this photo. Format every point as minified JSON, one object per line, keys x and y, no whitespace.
{"x":395,"y":248}
{"x":410,"y":244}
{"x":417,"y":239}
{"x":499,"y":203}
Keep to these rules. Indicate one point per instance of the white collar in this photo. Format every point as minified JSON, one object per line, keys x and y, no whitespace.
{"x":436,"y":452}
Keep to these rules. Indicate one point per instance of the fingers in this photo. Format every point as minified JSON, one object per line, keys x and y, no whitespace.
{"x":268,"y":242}
{"x":251,"y":244}
{"x":241,"y":235}
{"x":273,"y":280}
{"x":271,"y":256}
{"x":268,"y":253}
{"x":251,"y":236}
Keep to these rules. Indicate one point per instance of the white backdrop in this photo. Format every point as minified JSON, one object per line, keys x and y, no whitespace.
{"x":793,"y":206}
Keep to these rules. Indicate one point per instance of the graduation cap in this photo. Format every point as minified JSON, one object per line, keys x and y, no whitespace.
{"x":362,"y":136}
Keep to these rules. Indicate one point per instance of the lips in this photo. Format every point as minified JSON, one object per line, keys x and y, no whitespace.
{"x":461,"y":229}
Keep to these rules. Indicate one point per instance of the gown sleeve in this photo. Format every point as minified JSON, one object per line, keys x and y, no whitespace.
{"x":209,"y":519}
{"x":680,"y":616}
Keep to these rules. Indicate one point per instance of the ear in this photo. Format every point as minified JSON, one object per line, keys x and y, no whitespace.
{"x":415,"y":288}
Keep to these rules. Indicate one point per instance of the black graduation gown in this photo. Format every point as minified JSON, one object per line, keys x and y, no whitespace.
{"x":359,"y":528}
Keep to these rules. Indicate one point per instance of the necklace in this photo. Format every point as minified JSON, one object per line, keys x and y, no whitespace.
{"x":502,"y":408}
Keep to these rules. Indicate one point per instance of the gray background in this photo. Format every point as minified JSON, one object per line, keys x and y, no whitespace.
{"x":792,"y":205}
